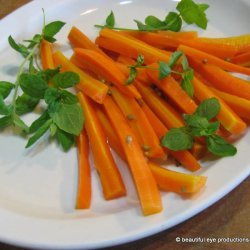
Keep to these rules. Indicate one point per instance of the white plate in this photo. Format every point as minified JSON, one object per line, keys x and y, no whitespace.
{"x":38,"y":186}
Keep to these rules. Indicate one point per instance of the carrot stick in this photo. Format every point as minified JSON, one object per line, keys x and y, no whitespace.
{"x":159,"y":114}
{"x":242,"y":59}
{"x":106,"y":68}
{"x":161,"y":40}
{"x":129,"y":46}
{"x":173,"y":181}
{"x":84,"y":178}
{"x":173,"y":90}
{"x":79,"y":40}
{"x":222,"y":80}
{"x":90,"y":86}
{"x":140,"y":124}
{"x":46,"y":55}
{"x":205,"y":57}
{"x":228,"y":118}
{"x":110,"y":177}
{"x":240,"y":105}
{"x":146,"y":186}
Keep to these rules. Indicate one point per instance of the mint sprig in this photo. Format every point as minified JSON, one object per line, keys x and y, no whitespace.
{"x":186,"y":11}
{"x":63,"y":116}
{"x":199,"y":124}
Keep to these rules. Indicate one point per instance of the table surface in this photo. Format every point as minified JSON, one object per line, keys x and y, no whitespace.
{"x":230,"y":217}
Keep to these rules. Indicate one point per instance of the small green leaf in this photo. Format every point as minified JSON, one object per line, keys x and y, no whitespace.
{"x":187,"y":85}
{"x":175,"y":56}
{"x":33,"y":85}
{"x":218,"y":146}
{"x":20,"y":123}
{"x":173,"y":21}
{"x":39,"y":133}
{"x":65,"y":139}
{"x":5,"y":88}
{"x":68,"y":117}
{"x":164,"y":70}
{"x":51,"y":29}
{"x":5,"y":121}
{"x":4,"y":109}
{"x":18,"y":47}
{"x":140,"y":60}
{"x":142,"y":26}
{"x":110,"y":20}
{"x":203,"y":6}
{"x":52,"y":95}
{"x":67,"y":97}
{"x":132,"y":75}
{"x":35,"y":40}
{"x":184,"y":63}
{"x":65,"y":80}
{"x":154,"y":22}
{"x":192,"y":13}
{"x":39,"y":122}
{"x":48,"y":74}
{"x":25,"y":104}
{"x":53,"y":129}
{"x":209,"y":108}
{"x":178,"y":139}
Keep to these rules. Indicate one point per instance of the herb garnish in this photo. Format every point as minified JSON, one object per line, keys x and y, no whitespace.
{"x":199,"y":124}
{"x":63,"y":115}
{"x":187,"y":11}
{"x":165,"y":69}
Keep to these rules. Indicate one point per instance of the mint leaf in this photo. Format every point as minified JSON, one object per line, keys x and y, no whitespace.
{"x":4,"y":109}
{"x":52,"y":95}
{"x":141,"y":26}
{"x":175,"y":56}
{"x":203,"y":6}
{"x":178,"y":139}
{"x":5,"y":121}
{"x":154,"y":22}
{"x":39,"y":133}
{"x":53,"y":129}
{"x":48,"y":74}
{"x":33,"y":85}
{"x":39,"y":122}
{"x":164,"y":70}
{"x":184,"y":63}
{"x":209,"y":108}
{"x":5,"y":88}
{"x":173,"y":21}
{"x":110,"y":20}
{"x":65,"y":139}
{"x":68,"y":117}
{"x":132,"y":75}
{"x":25,"y":104}
{"x":35,"y":40}
{"x":187,"y":85}
{"x":192,"y":13}
{"x":65,"y":80}
{"x":139,"y":60}
{"x":218,"y":146}
{"x":18,"y":47}
{"x":51,"y":29}
{"x":20,"y":123}
{"x":67,"y":97}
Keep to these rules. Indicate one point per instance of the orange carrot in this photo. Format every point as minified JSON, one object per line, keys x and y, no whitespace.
{"x":110,"y":177}
{"x":198,"y":150}
{"x":177,"y":182}
{"x":222,"y":80}
{"x":161,"y":40}
{"x":210,"y":59}
{"x":79,"y":40}
{"x":165,"y":115}
{"x":173,"y":90}
{"x":240,"y":105}
{"x":144,"y":181}
{"x":129,"y":46}
{"x":83,"y":199}
{"x":140,"y":124}
{"x":228,"y":118}
{"x":242,"y":59}
{"x":162,"y":109}
{"x":106,"y":68}
{"x":46,"y":55}
{"x":90,"y":86}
